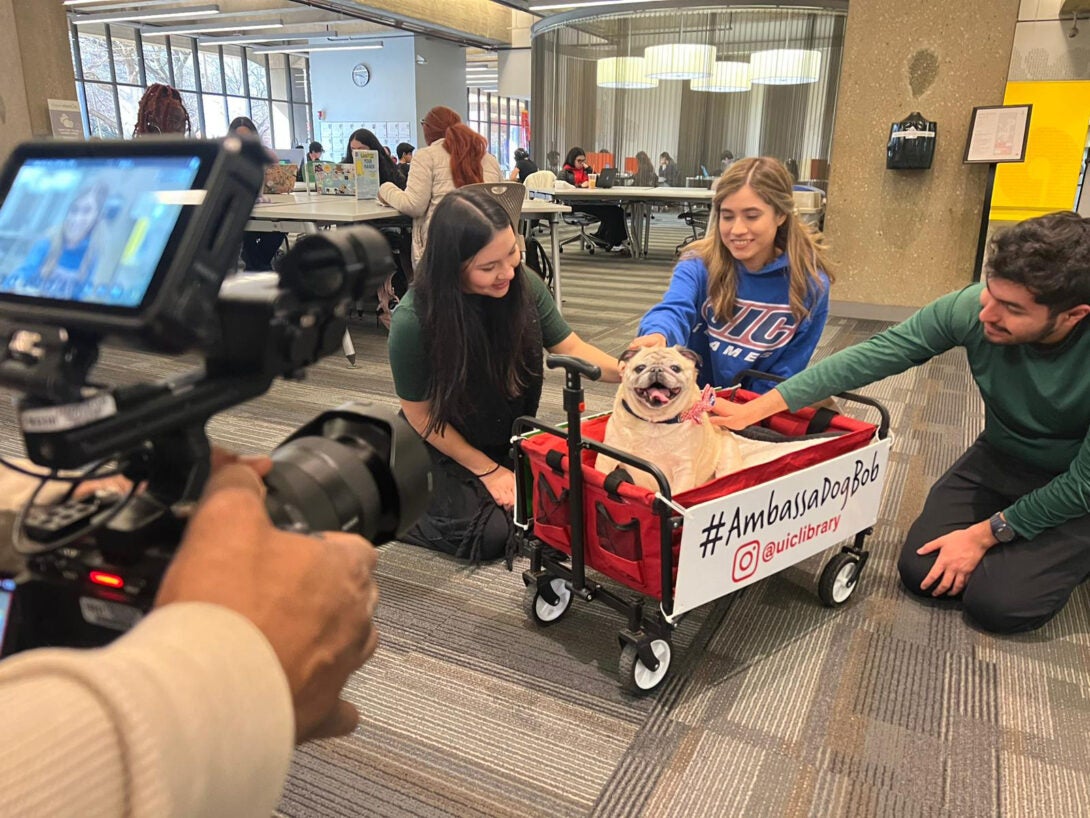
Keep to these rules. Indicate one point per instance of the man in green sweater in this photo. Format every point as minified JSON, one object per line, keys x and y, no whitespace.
{"x":1008,"y":526}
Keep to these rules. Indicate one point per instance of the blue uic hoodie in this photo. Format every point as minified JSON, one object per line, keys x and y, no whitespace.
{"x":762,"y":334}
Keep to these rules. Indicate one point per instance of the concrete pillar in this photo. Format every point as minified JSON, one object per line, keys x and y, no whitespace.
{"x":35,"y":65}
{"x":902,"y":238}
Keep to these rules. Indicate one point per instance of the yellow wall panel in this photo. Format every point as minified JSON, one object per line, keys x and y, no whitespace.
{"x":1046,"y":181}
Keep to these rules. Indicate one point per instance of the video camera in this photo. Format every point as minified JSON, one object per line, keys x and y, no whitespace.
{"x":133,"y":242}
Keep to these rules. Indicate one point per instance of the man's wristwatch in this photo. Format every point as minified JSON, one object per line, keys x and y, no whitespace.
{"x":1001,"y":529}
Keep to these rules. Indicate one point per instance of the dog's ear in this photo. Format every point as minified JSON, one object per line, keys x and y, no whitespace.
{"x":692,"y":356}
{"x":627,"y":354}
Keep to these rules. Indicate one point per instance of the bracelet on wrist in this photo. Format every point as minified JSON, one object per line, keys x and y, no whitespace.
{"x":495,"y":468}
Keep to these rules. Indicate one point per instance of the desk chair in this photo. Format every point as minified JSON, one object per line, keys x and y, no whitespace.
{"x":587,"y":241}
{"x":697,"y":220}
{"x":510,"y":195}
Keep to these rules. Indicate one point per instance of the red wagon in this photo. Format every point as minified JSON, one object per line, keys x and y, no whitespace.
{"x":684,"y":550}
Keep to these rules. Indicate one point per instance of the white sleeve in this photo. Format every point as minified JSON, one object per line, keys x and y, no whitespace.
{"x":189,"y":714}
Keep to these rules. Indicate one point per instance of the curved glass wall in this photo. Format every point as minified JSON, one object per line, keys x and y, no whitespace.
{"x":770,"y":88}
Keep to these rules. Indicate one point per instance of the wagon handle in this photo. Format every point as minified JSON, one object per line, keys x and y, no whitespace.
{"x":883,"y":426}
{"x":572,"y":364}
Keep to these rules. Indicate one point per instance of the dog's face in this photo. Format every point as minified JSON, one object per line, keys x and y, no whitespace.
{"x":658,"y":383}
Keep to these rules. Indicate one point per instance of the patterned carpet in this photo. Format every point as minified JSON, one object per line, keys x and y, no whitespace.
{"x":775,"y":705}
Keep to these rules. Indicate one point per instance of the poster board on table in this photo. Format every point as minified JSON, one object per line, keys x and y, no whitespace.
{"x":367,"y":178}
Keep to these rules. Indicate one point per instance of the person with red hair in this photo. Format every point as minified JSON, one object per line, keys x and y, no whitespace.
{"x":162,"y":111}
{"x":455,"y":156}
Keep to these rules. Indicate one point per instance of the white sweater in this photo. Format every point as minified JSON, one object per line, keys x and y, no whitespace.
{"x":189,"y":714}
{"x":429,"y":181}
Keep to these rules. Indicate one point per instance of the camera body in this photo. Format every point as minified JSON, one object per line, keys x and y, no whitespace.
{"x":133,"y":242}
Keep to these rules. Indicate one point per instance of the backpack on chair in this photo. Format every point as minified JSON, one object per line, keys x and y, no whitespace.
{"x":538,"y":261}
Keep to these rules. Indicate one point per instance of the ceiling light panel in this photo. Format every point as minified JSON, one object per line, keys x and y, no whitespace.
{"x":146,"y":14}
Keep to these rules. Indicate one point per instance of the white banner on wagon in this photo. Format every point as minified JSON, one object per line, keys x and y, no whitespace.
{"x":734,"y":541}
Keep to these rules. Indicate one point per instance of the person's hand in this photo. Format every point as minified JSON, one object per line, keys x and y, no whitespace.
{"x":959,"y":553}
{"x":501,"y":485}
{"x":654,"y":339}
{"x":584,"y":184}
{"x":313,"y":598}
{"x":737,"y":416}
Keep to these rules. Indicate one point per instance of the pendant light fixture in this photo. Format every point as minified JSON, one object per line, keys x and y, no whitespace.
{"x":726,"y":78}
{"x":624,"y":72}
{"x":785,"y":66}
{"x":680,"y":61}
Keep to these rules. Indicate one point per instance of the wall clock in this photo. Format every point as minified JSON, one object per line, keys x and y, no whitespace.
{"x":361,"y":75}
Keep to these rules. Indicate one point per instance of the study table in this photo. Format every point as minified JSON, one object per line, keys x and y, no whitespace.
{"x":636,"y":201}
{"x":310,"y":212}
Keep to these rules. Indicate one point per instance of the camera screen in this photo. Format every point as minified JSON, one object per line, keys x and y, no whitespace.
{"x":92,"y":229}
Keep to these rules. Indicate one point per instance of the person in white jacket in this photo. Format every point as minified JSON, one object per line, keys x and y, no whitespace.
{"x":194,"y":712}
{"x":455,"y":156}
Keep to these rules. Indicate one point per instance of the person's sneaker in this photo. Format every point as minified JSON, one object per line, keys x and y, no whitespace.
{"x":621,"y":251}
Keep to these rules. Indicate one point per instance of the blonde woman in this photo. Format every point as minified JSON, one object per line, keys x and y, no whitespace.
{"x":62,"y":264}
{"x":754,"y":292}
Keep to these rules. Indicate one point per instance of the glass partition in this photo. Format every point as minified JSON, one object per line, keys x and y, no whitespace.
{"x":718,"y":82}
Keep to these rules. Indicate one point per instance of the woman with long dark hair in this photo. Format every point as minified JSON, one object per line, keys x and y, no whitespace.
{"x":363,"y":139}
{"x":611,"y":233}
{"x":466,"y":354}
{"x":645,"y":171}
{"x":455,"y":156}
{"x":754,"y":292}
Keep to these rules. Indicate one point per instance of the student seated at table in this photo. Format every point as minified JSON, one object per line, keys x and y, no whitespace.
{"x":455,"y":156}
{"x":611,"y":232}
{"x":754,"y":292}
{"x":645,"y":175}
{"x":668,"y":169}
{"x":466,"y":355}
{"x":161,"y":111}
{"x":259,"y":247}
{"x":388,"y":170}
{"x":524,"y":166}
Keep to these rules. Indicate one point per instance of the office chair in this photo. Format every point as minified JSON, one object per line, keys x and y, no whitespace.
{"x":510,"y":195}
{"x":697,"y":220}
{"x":543,"y":181}
{"x":587,"y":241}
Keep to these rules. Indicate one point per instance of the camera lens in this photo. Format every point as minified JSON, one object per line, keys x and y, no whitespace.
{"x":358,"y":468}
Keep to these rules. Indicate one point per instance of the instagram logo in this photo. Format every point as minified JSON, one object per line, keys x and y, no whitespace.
{"x":745,"y":561}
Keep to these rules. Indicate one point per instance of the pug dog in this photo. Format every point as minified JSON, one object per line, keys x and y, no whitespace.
{"x":656,"y":417}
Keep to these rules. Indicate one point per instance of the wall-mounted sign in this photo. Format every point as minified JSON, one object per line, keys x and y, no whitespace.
{"x":997,"y":133}
{"x":65,"y":119}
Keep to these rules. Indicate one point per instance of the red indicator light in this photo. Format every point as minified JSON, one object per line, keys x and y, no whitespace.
{"x":109,"y":580}
{"x":582,"y":407}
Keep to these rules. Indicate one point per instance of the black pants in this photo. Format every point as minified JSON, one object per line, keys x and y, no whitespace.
{"x":1017,"y":586}
{"x":611,"y":228}
{"x":462,"y":520}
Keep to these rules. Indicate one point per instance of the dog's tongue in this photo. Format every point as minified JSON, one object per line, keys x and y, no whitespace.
{"x":658,"y":395}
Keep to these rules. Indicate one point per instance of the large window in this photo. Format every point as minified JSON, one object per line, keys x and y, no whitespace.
{"x":115,"y":63}
{"x":500,"y":120}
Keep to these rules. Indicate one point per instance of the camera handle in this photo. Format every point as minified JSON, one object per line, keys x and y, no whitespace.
{"x":47,"y":364}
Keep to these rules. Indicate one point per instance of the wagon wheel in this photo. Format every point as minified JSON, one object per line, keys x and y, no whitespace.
{"x":838,"y":579}
{"x":635,"y":676}
{"x":541,"y":610}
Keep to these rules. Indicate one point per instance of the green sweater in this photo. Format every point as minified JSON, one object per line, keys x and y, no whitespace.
{"x":408,"y":354}
{"x":1036,"y":400}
